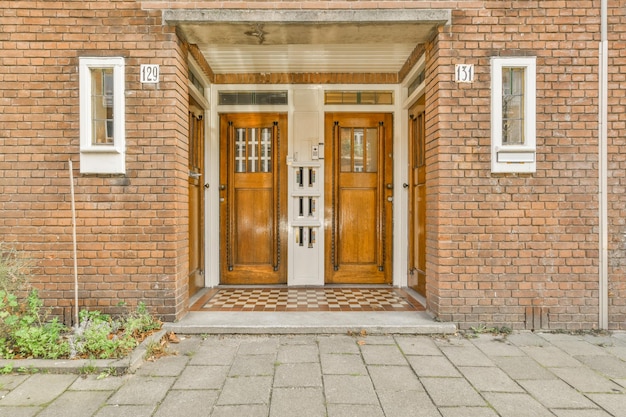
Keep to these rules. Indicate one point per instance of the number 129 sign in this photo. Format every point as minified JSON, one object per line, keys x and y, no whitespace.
{"x":464,"y":73}
{"x":149,"y":73}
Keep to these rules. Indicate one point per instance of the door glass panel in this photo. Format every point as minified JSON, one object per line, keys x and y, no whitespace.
{"x":358,"y":150}
{"x":253,"y":146}
{"x":346,"y":149}
{"x":253,"y":150}
{"x":371,"y":150}
{"x":266,"y":149}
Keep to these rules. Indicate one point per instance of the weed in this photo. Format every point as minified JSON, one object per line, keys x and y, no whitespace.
{"x":6,"y":369}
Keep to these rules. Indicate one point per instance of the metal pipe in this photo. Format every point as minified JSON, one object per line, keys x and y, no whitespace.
{"x":603,"y":320}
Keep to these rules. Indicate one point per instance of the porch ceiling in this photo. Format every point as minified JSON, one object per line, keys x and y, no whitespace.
{"x":296,"y":41}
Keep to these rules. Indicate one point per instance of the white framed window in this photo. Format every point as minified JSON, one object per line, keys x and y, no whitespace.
{"x":102,"y":112}
{"x":513,"y":114}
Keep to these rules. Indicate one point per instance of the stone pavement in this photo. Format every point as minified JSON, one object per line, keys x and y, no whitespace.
{"x":523,"y":374}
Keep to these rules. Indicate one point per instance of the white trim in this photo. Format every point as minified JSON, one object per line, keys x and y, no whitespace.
{"x":517,"y":158}
{"x":103,"y":159}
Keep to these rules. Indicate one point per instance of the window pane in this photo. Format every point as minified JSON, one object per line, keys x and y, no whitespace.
{"x":102,"y":106}
{"x":266,"y":149}
{"x":240,"y":150}
{"x":371,"y":150}
{"x":512,"y":106}
{"x":346,"y":149}
{"x":253,"y":155}
{"x":358,"y":150}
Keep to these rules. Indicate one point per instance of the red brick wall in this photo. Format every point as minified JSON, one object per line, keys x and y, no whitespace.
{"x":497,"y":244}
{"x":131,"y":229}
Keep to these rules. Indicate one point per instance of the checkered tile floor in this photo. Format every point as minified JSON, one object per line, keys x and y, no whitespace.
{"x":306,"y":299}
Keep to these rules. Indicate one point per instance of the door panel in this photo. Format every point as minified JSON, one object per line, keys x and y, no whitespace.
{"x":253,"y":199}
{"x":196,"y":199}
{"x":359,"y":197}
{"x":417,"y":198}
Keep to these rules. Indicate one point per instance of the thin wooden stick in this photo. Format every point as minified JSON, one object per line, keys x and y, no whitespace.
{"x":76,"y":323}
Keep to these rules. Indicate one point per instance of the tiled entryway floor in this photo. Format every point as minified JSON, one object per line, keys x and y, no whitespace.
{"x":306,"y":299}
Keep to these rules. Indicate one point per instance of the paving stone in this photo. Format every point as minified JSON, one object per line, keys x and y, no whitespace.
{"x":411,"y":345}
{"x":490,"y":379}
{"x":516,"y":405}
{"x":613,"y":403}
{"x":76,"y":404}
{"x":607,"y":365}
{"x":586,"y":380}
{"x":259,"y":346}
{"x":19,"y":411}
{"x":187,"y":346}
{"x":581,"y":413}
{"x":298,"y":375}
{"x":376,"y":340}
{"x":125,"y":411}
{"x":202,"y":377}
{"x":551,"y":357}
{"x":466,"y":356}
{"x":556,"y":394}
{"x":452,"y":392}
{"x":496,"y":346}
{"x":394,"y":378}
{"x":142,"y":390}
{"x":38,"y":389}
{"x":337,"y":344}
{"x":98,"y":383}
{"x":298,"y":353}
{"x":407,"y":403}
{"x":523,"y":368}
{"x":576,"y":347}
{"x":432,"y":366}
{"x":10,"y":382}
{"x":167,"y":366}
{"x":295,"y":339}
{"x":467,"y":412}
{"x":382,"y":355}
{"x":214,"y":355}
{"x":250,"y":365}
{"x":246,"y":390}
{"x":240,"y":410}
{"x":301,"y":402}
{"x":187,"y":403}
{"x":354,"y":410}
{"x":617,"y":351}
{"x":348,"y":389}
{"x":527,"y":339}
{"x":347,"y":364}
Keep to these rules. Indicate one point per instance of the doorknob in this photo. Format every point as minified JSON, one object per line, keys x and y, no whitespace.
{"x":206,"y":186}
{"x":222,"y":187}
{"x":405,"y":185}
{"x":389,"y":186}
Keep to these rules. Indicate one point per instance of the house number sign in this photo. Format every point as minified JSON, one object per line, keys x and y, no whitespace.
{"x":149,"y":73}
{"x":464,"y":73}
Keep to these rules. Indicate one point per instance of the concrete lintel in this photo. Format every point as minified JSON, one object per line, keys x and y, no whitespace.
{"x":177,"y":16}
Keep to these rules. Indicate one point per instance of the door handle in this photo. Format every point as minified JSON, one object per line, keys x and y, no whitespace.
{"x":222,"y":187}
{"x":389,"y":186}
{"x":194,"y":175}
{"x":405,"y":185}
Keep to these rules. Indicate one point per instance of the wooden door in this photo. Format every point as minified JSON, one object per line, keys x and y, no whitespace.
{"x":417,"y":198}
{"x":358,"y":197}
{"x":196,"y":199}
{"x":253,"y":200}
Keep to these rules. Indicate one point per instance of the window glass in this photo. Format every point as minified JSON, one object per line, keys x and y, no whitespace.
{"x":512,"y":106}
{"x":102,"y":121}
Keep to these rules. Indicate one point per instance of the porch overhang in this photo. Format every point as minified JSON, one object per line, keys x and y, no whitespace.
{"x":307,"y":41}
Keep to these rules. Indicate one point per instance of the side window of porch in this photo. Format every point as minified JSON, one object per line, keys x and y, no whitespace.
{"x":102,"y":112}
{"x":513,"y":114}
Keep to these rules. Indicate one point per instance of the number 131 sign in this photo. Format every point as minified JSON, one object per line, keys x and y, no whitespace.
{"x":464,"y":73}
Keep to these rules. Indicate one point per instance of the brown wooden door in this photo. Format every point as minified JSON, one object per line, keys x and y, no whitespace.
{"x":253,"y":199}
{"x":417,"y":198}
{"x":358,"y":197}
{"x":196,"y":199}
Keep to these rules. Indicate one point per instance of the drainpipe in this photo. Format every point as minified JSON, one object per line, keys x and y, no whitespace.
{"x":603,"y":321}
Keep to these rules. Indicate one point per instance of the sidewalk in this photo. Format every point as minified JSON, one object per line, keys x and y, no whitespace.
{"x":524,"y":374}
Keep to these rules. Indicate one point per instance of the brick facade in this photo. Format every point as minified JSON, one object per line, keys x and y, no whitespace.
{"x":501,"y":247}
